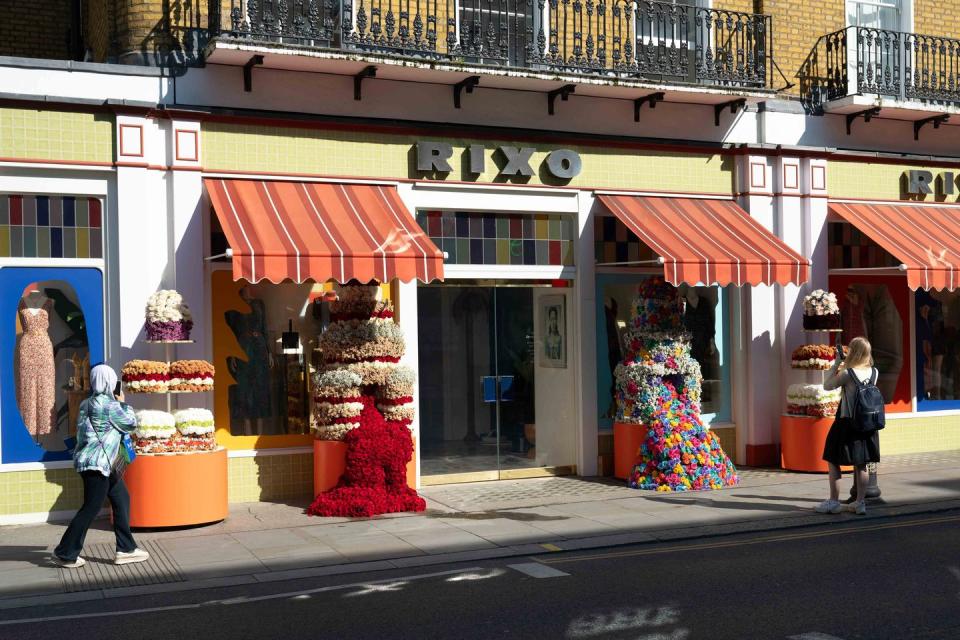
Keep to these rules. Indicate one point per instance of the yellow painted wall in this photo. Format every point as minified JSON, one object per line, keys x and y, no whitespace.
{"x":235,"y":147}
{"x":56,"y":135}
{"x":877,"y":181}
{"x":920,"y":435}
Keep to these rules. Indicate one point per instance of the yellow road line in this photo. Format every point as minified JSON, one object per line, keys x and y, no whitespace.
{"x":737,"y":543}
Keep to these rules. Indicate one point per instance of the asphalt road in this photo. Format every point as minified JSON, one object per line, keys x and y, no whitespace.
{"x":877,"y":578}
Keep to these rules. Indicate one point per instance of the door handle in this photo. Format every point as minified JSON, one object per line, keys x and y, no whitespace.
{"x":493,"y":388}
{"x":488,"y":388}
{"x":506,"y":388}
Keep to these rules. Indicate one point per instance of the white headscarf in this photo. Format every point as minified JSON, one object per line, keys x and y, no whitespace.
{"x":103,"y":379}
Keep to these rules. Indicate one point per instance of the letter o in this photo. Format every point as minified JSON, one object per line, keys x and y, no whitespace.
{"x":564,"y":164}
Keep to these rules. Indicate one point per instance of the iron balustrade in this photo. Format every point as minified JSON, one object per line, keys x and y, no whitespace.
{"x":676,"y":43}
{"x":895,"y":64}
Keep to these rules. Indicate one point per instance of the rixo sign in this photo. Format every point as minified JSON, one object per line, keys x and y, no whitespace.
{"x":920,"y":181}
{"x":434,"y":157}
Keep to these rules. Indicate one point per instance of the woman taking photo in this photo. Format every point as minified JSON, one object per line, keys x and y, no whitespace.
{"x":102,"y":421}
{"x":844,"y":446}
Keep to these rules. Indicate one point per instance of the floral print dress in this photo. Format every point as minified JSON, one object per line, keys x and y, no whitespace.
{"x":36,"y":375}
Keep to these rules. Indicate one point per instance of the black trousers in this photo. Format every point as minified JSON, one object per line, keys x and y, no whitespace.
{"x":97,"y":488}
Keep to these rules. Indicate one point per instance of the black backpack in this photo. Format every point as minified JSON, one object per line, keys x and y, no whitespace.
{"x":867,"y":415}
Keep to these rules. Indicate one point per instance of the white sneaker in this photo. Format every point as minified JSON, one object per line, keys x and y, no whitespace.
{"x":66,"y":564}
{"x":859,"y":508}
{"x":129,"y":557}
{"x":829,"y":506}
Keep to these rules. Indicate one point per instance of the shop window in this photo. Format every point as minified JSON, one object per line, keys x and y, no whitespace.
{"x":264,"y":348}
{"x":704,"y":317}
{"x":937,"y":317}
{"x":50,"y":227}
{"x":265,"y":335}
{"x":51,"y":363}
{"x":500,"y":238}
{"x":877,"y":308}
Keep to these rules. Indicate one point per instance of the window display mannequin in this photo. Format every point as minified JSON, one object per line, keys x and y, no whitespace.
{"x":36,"y":373}
{"x":249,"y":398}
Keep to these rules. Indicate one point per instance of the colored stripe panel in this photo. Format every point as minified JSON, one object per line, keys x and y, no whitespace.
{"x":43,"y":211}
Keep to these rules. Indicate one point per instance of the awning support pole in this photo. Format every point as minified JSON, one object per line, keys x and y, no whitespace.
{"x":627,"y":263}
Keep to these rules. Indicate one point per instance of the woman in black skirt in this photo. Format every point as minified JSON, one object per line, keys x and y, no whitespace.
{"x":844,"y":446}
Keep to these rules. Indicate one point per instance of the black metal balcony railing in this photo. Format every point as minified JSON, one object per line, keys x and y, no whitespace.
{"x":861,"y":60}
{"x":654,"y":40}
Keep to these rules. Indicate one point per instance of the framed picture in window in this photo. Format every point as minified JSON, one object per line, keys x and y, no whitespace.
{"x":554,"y":330}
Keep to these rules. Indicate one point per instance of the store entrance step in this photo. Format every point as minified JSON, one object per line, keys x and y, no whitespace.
{"x":101,"y":573}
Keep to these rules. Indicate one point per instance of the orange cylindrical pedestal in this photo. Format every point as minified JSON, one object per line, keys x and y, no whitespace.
{"x":801,"y":443}
{"x":177,"y":490}
{"x":329,"y":463}
{"x":627,"y":438}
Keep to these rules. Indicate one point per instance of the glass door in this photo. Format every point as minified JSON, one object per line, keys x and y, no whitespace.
{"x":478,"y":382}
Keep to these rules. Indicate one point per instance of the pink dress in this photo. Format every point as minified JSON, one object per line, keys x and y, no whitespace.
{"x":36,"y":376}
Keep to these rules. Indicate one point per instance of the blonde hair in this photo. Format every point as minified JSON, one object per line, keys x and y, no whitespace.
{"x":858,"y":354}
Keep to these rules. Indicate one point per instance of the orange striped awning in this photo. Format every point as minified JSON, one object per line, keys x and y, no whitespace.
{"x":709,"y":241}
{"x":279,"y":230}
{"x":925,"y":239}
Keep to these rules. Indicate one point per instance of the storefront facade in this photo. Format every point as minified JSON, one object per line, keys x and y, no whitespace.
{"x":513,"y":348}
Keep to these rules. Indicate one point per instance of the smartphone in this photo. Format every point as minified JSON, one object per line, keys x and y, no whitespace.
{"x":117,"y":390}
{"x":839,"y":352}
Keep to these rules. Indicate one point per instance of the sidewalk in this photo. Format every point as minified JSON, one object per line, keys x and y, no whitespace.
{"x":264,"y":542}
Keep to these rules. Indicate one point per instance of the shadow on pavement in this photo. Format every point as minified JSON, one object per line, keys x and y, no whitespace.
{"x":37,"y":556}
{"x":498,"y":515}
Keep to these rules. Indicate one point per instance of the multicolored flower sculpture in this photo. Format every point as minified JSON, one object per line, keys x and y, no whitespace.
{"x":364,"y":397}
{"x":658,"y":385}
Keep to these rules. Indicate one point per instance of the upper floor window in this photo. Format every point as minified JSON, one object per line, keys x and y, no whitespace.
{"x":875,"y":14}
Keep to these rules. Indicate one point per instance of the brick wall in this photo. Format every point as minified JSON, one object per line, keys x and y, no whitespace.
{"x":797,"y":26}
{"x":35,"y":29}
{"x":931,"y":17}
{"x":743,"y":6}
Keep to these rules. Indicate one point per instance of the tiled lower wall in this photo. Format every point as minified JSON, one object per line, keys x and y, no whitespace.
{"x":919,"y":435}
{"x":261,"y":478}
{"x":268,"y":478}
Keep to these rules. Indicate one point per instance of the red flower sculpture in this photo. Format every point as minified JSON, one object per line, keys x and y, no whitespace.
{"x":375,"y":480}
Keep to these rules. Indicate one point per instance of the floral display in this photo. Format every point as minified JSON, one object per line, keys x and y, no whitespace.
{"x":156,"y":431}
{"x":336,"y":403}
{"x":364,"y":397}
{"x":191,"y":375}
{"x":167,"y":317}
{"x":196,"y":429}
{"x":194,"y":422}
{"x":659,"y":385}
{"x":820,"y":311}
{"x":395,"y":396}
{"x":145,"y":376}
{"x":812,"y":400}
{"x":813,"y":356}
